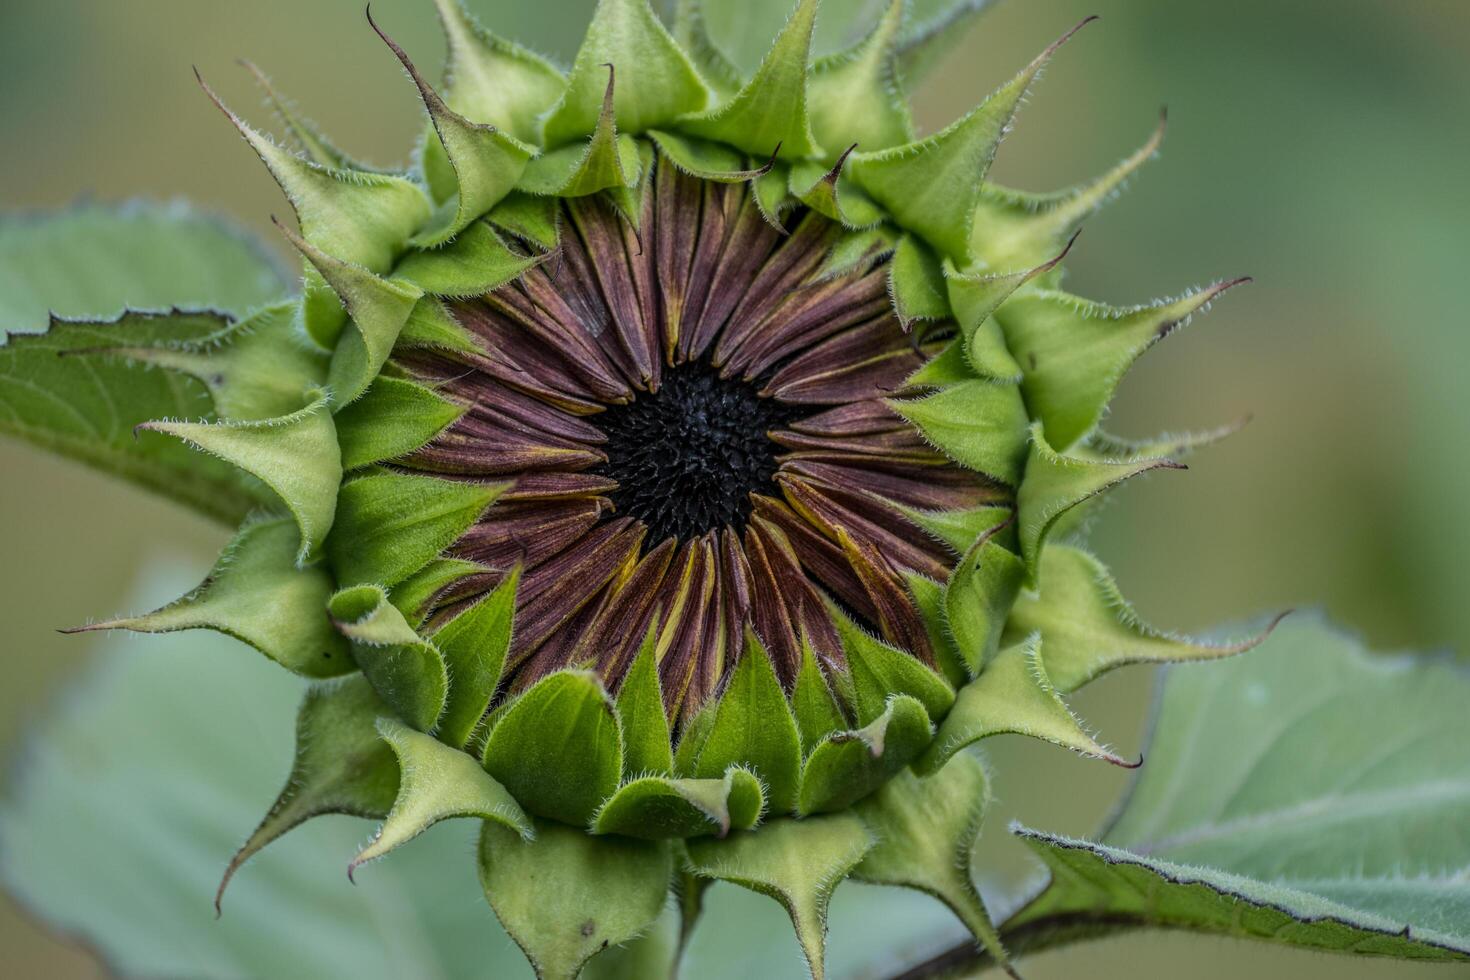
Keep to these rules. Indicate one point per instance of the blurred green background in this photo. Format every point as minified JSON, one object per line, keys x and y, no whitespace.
{"x":1319,"y":145}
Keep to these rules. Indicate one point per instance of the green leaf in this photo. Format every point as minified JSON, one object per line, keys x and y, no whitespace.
{"x":796,"y":862}
{"x":753,"y":728}
{"x":1055,"y":484}
{"x":392,"y":419}
{"x":926,"y":829}
{"x":436,"y":783}
{"x":99,"y":261}
{"x":847,"y":766}
{"x":474,"y":645}
{"x":557,"y":748}
{"x":389,"y":525}
{"x":770,"y":110}
{"x":658,"y":808}
{"x":295,"y":455}
{"x":341,"y":766}
{"x":879,"y":671}
{"x":1074,"y":352}
{"x":647,"y":742}
{"x":567,"y":895}
{"x":1087,"y":628}
{"x":407,"y":672}
{"x":1012,"y":695}
{"x":1306,"y":793}
{"x":932,"y":187}
{"x":982,"y":425}
{"x":978,"y":598}
{"x":256,"y":571}
{"x":659,"y":83}
{"x":857,"y":96}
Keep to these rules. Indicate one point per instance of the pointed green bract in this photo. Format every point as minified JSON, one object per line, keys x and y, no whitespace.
{"x":933,"y":186}
{"x":474,"y":645}
{"x":531,"y":218}
{"x":926,"y":828}
{"x":1055,"y":484}
{"x":974,"y":297}
{"x":847,"y":766}
{"x":826,"y":193}
{"x":258,"y":570}
{"x":816,"y":710}
{"x":1012,"y":695}
{"x":567,"y":895}
{"x":1087,"y":628}
{"x":432,"y":326}
{"x":475,"y":263}
{"x":312,"y":141}
{"x":647,"y":742}
{"x":295,"y":455}
{"x":608,"y":160}
{"x":341,"y":766}
{"x":928,"y":597}
{"x":1073,"y":352}
{"x":391,"y":419}
{"x":704,"y":159}
{"x":659,"y":82}
{"x":796,"y":862}
{"x":770,"y":109}
{"x":557,"y":748}
{"x":407,"y":672}
{"x":693,"y":37}
{"x":879,"y":670}
{"x":416,"y":595}
{"x":659,"y":808}
{"x":916,"y":282}
{"x":857,"y":97}
{"x":959,"y":529}
{"x":978,"y":599}
{"x":753,"y":728}
{"x":978,"y":424}
{"x":389,"y":525}
{"x":436,"y":783}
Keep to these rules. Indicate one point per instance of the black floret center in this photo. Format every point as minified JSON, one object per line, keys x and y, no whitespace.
{"x":687,"y":457}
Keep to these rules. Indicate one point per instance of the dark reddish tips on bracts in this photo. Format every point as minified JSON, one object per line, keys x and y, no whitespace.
{"x":694,"y":425}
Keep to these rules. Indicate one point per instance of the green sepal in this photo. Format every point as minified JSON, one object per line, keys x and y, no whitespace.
{"x":932,"y":186}
{"x":916,"y":283}
{"x":692,"y":738}
{"x":771,"y":192}
{"x":825,"y":192}
{"x":974,"y":298}
{"x":432,"y":325}
{"x":309,"y":137}
{"x":982,"y":425}
{"x":926,"y":828}
{"x":475,"y":263}
{"x":847,"y":766}
{"x":1012,"y":696}
{"x":950,"y":366}
{"x":812,"y":703}
{"x":659,"y":808}
{"x":770,"y":109}
{"x":706,"y":160}
{"x":392,"y":419}
{"x":389,"y":525}
{"x":557,"y":748}
{"x":659,"y":82}
{"x":928,"y":597}
{"x":879,"y":671}
{"x":567,"y":895}
{"x":378,"y":308}
{"x":856,"y":96}
{"x":796,"y":862}
{"x":979,"y":597}
{"x":295,"y":455}
{"x":341,"y":766}
{"x":1087,"y":628}
{"x":753,"y":728}
{"x":1074,"y":352}
{"x":530,"y":217}
{"x":608,"y":159}
{"x":1014,"y":230}
{"x":958,"y":529}
{"x":257,"y":571}
{"x":436,"y":783}
{"x":365,"y":219}
{"x":406,"y":670}
{"x":1055,"y":484}
{"x":1175,"y":445}
{"x":647,"y":741}
{"x":416,"y":595}
{"x":493,"y":81}
{"x":474,"y":645}
{"x":485,"y":161}
{"x":857,"y":249}
{"x":255,"y":369}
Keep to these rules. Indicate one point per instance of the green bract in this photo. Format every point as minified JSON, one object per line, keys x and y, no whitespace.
{"x":781,"y":714}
